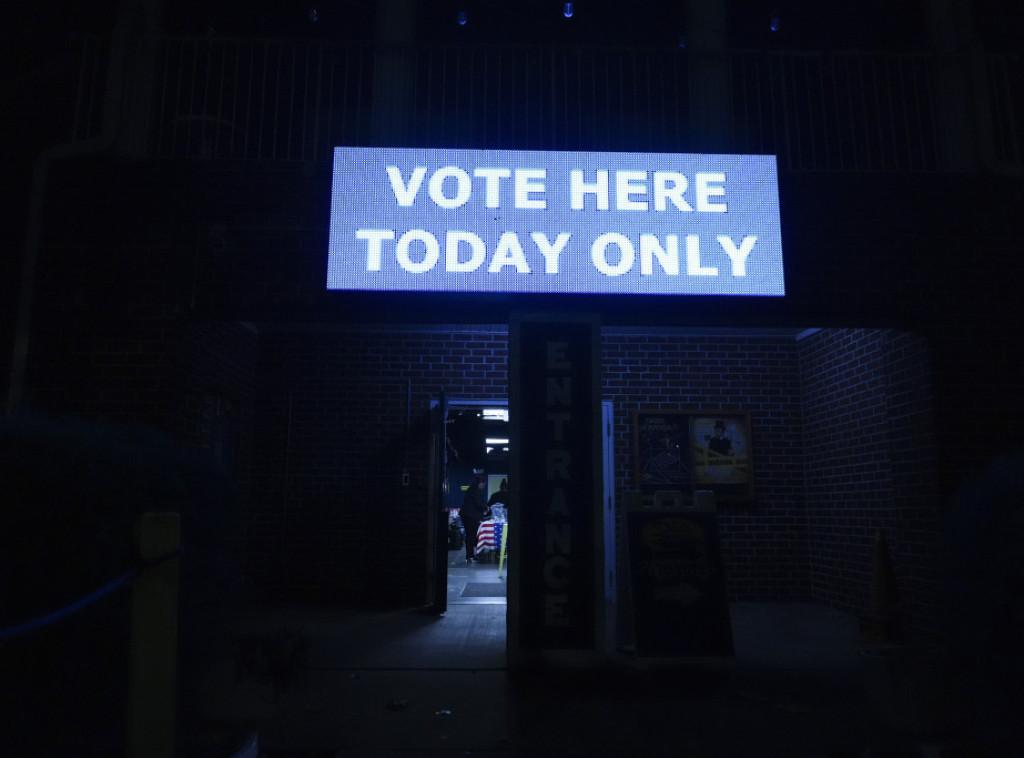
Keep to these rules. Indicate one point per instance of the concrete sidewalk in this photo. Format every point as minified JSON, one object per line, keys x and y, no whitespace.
{"x":402,"y":683}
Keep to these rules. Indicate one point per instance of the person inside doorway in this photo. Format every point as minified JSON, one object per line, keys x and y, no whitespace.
{"x":500,"y":496}
{"x":473,"y":511}
{"x":720,"y":443}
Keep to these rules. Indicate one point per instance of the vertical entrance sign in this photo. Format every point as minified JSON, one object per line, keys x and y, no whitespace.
{"x":555,"y":415}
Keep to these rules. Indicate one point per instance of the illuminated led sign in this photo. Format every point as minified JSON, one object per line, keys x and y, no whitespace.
{"x":554,"y":222}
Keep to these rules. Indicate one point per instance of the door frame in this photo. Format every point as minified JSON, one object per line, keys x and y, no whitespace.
{"x":441,"y":406}
{"x":609,"y":556}
{"x":437,"y":508}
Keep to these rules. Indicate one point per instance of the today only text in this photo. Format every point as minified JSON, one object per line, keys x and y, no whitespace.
{"x":418,"y":251}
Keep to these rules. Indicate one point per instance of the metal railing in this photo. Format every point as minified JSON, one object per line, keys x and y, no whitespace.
{"x":267,"y":100}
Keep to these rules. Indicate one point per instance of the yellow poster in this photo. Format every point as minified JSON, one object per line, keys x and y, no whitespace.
{"x":719,"y":449}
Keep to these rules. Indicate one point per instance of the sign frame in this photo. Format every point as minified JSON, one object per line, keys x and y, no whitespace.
{"x":554,"y":222}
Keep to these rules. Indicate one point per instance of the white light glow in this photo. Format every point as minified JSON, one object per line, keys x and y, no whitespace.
{"x":509,"y":221}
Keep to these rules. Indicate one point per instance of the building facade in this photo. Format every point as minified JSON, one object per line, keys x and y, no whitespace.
{"x":174,"y":277}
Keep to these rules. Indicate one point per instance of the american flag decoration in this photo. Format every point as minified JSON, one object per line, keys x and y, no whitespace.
{"x":488,"y":536}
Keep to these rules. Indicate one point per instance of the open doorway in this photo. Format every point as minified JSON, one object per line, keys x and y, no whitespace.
{"x":475,"y":439}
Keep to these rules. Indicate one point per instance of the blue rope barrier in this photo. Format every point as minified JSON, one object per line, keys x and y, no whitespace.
{"x":92,"y":597}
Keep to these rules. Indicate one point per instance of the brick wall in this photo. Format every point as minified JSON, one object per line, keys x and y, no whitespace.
{"x":114,"y":338}
{"x":869,"y":463}
{"x":324,"y":423}
{"x":847,"y":460}
{"x":764,"y":545}
{"x":214,"y":409}
{"x":343,"y":412}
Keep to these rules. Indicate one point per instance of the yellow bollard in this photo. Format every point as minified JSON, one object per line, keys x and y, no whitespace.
{"x":504,"y":540}
{"x":154,"y":643}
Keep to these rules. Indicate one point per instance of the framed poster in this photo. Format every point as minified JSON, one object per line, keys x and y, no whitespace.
{"x":721,"y":454}
{"x":661,"y":448}
{"x":689,"y":450}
